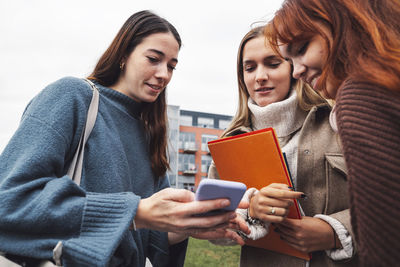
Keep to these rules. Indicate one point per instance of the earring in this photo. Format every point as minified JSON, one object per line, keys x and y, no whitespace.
{"x":121,"y":65}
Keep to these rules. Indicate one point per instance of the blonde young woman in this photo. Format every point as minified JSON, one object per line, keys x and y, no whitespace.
{"x":269,"y":97}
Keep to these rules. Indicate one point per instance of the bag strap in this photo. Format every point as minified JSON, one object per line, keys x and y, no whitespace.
{"x":75,"y":169}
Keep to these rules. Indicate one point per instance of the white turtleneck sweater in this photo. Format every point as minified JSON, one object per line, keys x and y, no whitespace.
{"x":287,"y":119}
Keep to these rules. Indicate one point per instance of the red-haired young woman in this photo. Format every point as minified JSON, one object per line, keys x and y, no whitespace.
{"x":349,"y":50}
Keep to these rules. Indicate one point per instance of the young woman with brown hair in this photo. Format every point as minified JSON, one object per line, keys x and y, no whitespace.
{"x":349,"y":50}
{"x":122,"y":210}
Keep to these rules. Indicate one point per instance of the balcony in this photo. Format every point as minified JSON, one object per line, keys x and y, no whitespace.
{"x":189,"y":147}
{"x":189,"y":169}
{"x":204,"y":147}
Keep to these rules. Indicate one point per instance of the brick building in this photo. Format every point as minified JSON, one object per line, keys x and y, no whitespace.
{"x":188,"y":136}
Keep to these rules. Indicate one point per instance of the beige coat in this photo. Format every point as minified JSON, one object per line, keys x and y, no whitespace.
{"x":321,"y":174}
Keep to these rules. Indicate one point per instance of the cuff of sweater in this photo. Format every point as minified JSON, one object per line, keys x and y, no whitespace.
{"x":106,"y":218}
{"x":257,"y":229}
{"x":344,"y":236}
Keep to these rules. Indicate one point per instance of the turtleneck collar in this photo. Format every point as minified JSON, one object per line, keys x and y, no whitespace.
{"x":285,"y":116}
{"x":122,"y":101}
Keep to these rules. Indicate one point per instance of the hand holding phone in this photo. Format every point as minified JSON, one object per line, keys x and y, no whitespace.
{"x":214,"y":189}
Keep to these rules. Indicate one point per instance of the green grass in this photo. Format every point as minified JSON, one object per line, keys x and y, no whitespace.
{"x":202,"y":253}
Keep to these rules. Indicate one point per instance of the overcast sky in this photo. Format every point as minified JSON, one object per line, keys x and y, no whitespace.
{"x":44,"y":40}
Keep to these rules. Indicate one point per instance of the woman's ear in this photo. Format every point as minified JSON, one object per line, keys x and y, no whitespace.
{"x":122,"y":63}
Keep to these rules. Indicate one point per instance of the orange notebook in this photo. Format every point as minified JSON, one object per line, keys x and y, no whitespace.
{"x":256,"y":160}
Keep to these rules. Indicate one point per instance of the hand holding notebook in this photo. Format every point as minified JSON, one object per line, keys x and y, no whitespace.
{"x":272,"y":203}
{"x":256,"y":159}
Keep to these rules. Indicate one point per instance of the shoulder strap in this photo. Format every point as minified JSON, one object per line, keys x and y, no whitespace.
{"x":75,"y":169}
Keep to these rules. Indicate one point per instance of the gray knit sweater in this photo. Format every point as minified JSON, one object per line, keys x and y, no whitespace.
{"x":40,"y":205}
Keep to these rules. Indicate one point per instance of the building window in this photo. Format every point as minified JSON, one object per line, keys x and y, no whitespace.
{"x":205,"y":163}
{"x":186,"y":182}
{"x":205,"y":138}
{"x":187,"y":141}
{"x":223,"y":124}
{"x":186,"y":120}
{"x":205,"y":122}
{"x":189,"y":186}
{"x":187,"y":164}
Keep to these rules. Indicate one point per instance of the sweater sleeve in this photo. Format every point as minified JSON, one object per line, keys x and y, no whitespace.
{"x":344,"y":236}
{"x":40,"y":204}
{"x":368,"y":122}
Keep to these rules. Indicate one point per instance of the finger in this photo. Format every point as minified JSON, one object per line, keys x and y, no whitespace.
{"x":291,"y":242}
{"x":273,"y":211}
{"x":271,"y":218}
{"x":243,"y":227}
{"x":240,"y":226}
{"x":179,"y":195}
{"x":220,"y":234}
{"x":267,"y":202}
{"x":284,"y":230}
{"x":243,"y":204}
{"x":208,"y":234}
{"x":208,"y":221}
{"x":287,"y":235}
{"x":203,"y":206}
{"x":280,"y":193}
{"x":279,"y":215}
{"x":216,"y":230}
{"x":280,"y":186}
{"x":290,"y":223}
{"x":270,"y":214}
{"x":235,"y":237}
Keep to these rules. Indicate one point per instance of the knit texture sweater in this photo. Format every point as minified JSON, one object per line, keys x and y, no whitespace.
{"x":368,"y":118}
{"x":41,"y":205}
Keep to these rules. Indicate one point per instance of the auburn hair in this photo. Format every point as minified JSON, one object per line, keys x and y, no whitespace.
{"x":107,"y":71}
{"x":365,"y":40}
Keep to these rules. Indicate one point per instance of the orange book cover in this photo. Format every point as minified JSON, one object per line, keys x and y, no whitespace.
{"x":256,"y":160}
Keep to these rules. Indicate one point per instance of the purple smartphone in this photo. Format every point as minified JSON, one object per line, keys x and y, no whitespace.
{"x":213,"y":189}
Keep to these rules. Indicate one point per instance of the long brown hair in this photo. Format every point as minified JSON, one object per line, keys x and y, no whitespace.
{"x":107,"y":71}
{"x":365,"y":36}
{"x":306,"y":96}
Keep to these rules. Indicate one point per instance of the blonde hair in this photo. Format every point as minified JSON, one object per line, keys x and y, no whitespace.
{"x":307,"y":97}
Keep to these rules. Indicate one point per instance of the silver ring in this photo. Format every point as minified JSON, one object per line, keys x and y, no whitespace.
{"x":272,"y":211}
